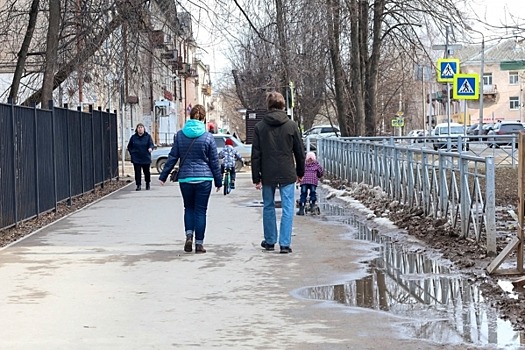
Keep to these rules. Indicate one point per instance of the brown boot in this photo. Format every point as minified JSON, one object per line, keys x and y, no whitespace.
{"x":199,"y":249}
{"x":188,"y":246}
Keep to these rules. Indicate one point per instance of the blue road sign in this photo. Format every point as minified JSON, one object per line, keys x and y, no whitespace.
{"x":446,"y":69}
{"x":466,"y":87}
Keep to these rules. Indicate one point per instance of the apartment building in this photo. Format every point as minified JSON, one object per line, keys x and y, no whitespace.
{"x":148,"y":71}
{"x":503,"y":81}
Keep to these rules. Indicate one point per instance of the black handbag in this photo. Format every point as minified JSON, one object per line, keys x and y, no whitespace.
{"x":174,"y":176}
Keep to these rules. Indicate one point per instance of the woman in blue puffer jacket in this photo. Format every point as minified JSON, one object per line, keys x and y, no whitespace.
{"x":198,"y":167}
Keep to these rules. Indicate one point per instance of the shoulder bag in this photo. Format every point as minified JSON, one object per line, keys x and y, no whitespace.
{"x":174,"y":176}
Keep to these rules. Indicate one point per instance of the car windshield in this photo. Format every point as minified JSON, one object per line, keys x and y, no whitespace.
{"x":453,"y":130}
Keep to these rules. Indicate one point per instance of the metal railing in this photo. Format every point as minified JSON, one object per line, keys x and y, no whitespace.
{"x":458,"y":187}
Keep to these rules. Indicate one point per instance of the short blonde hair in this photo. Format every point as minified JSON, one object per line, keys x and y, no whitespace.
{"x":198,"y":112}
{"x":275,"y":100}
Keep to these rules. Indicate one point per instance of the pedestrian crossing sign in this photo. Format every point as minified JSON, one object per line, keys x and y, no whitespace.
{"x":465,"y":87}
{"x":446,"y":69}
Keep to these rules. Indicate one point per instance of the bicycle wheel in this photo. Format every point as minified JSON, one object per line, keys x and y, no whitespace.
{"x":226,"y":183}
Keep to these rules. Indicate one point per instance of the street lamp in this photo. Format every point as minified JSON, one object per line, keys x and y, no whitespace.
{"x":481,"y":82}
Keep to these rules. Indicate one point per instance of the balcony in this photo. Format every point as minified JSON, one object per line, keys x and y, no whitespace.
{"x":490,"y":92}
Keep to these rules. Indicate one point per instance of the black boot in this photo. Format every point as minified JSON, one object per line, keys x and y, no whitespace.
{"x":138,"y":188}
{"x":147,"y":186}
{"x":301,"y":209}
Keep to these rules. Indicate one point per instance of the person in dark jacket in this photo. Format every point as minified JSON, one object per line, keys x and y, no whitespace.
{"x":140,"y":146}
{"x":198,"y":167}
{"x":277,"y":162}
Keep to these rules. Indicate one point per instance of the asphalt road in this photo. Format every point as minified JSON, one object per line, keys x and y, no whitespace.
{"x":114,"y":276}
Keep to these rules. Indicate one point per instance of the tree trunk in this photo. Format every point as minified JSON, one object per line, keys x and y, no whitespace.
{"x":333,"y":20}
{"x":356,"y":63}
{"x":283,"y":47}
{"x":372,"y":71}
{"x":22,"y":54}
{"x":51,"y":52}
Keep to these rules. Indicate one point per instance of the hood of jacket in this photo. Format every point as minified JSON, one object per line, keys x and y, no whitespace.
{"x":275,"y":117}
{"x":193,"y":128}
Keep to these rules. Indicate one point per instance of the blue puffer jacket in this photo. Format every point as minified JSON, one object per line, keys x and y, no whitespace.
{"x":200,"y":162}
{"x":138,"y":148}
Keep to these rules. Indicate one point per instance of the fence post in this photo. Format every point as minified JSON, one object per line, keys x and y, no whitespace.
{"x":443,"y":191}
{"x":51,"y":107}
{"x":490,"y":205}
{"x":68,"y":149}
{"x":14,"y":161}
{"x":36,"y":177}
{"x":464,"y":196}
{"x":410,"y":177}
{"x":82,"y":159}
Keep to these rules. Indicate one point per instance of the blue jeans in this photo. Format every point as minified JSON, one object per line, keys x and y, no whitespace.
{"x":269,"y":218}
{"x":304,"y":193}
{"x":195,"y":197}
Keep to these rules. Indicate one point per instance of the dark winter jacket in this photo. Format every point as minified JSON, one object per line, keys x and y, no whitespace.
{"x":138,"y":148}
{"x":200,"y":162}
{"x":277,"y":150}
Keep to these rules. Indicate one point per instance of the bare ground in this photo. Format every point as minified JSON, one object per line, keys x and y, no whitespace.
{"x":15,"y":233}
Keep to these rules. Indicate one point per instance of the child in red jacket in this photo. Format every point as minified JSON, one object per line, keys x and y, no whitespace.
{"x":312,"y":172}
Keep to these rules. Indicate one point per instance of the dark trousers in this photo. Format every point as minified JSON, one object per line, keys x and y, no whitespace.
{"x":232,"y":172}
{"x":138,"y":175}
{"x":195,"y":197}
{"x":304,"y":193}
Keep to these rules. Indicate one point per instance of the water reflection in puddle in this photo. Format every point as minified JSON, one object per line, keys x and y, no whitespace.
{"x":446,"y":306}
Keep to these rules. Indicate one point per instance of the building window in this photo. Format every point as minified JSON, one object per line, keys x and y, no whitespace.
{"x":487,"y":79}
{"x":513,"y":78}
{"x":514,"y":102}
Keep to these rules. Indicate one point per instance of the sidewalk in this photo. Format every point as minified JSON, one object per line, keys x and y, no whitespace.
{"x":114,"y":276}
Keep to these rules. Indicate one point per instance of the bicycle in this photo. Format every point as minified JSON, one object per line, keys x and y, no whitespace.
{"x":227,"y":182}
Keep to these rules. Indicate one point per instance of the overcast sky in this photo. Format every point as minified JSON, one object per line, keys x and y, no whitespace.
{"x":497,"y":13}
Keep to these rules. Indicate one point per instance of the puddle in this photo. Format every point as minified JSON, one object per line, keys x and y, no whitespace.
{"x":446,"y":307}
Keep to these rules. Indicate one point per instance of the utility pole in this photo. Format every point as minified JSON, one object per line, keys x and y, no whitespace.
{"x":447,"y":47}
{"x":481,"y":82}
{"x":448,"y":84}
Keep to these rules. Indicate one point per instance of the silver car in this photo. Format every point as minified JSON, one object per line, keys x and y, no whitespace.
{"x":159,"y":156}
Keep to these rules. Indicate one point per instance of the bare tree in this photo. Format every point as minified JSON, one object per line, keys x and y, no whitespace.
{"x":24,"y":49}
{"x":51,"y":51}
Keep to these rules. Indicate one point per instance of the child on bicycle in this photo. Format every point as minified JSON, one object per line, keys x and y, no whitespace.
{"x":312,"y":172}
{"x":229,"y":155}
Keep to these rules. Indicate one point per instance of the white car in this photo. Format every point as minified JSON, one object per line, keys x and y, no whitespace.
{"x":417,"y":133}
{"x":442,"y":130}
{"x":311,"y":135}
{"x":159,"y":156}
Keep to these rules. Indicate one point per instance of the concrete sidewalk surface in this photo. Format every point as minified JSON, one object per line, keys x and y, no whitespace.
{"x":114,"y":276}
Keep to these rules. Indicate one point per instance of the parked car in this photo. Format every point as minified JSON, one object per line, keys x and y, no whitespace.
{"x":325,"y":130}
{"x":442,"y":130}
{"x":159,"y":156}
{"x":420,"y":133}
{"x":504,"y":128}
{"x":473,"y":131}
{"x":311,"y":135}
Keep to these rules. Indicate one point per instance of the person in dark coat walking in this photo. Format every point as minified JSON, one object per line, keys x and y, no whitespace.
{"x":140,"y":146}
{"x":278,"y":161}
{"x":199,"y":167}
